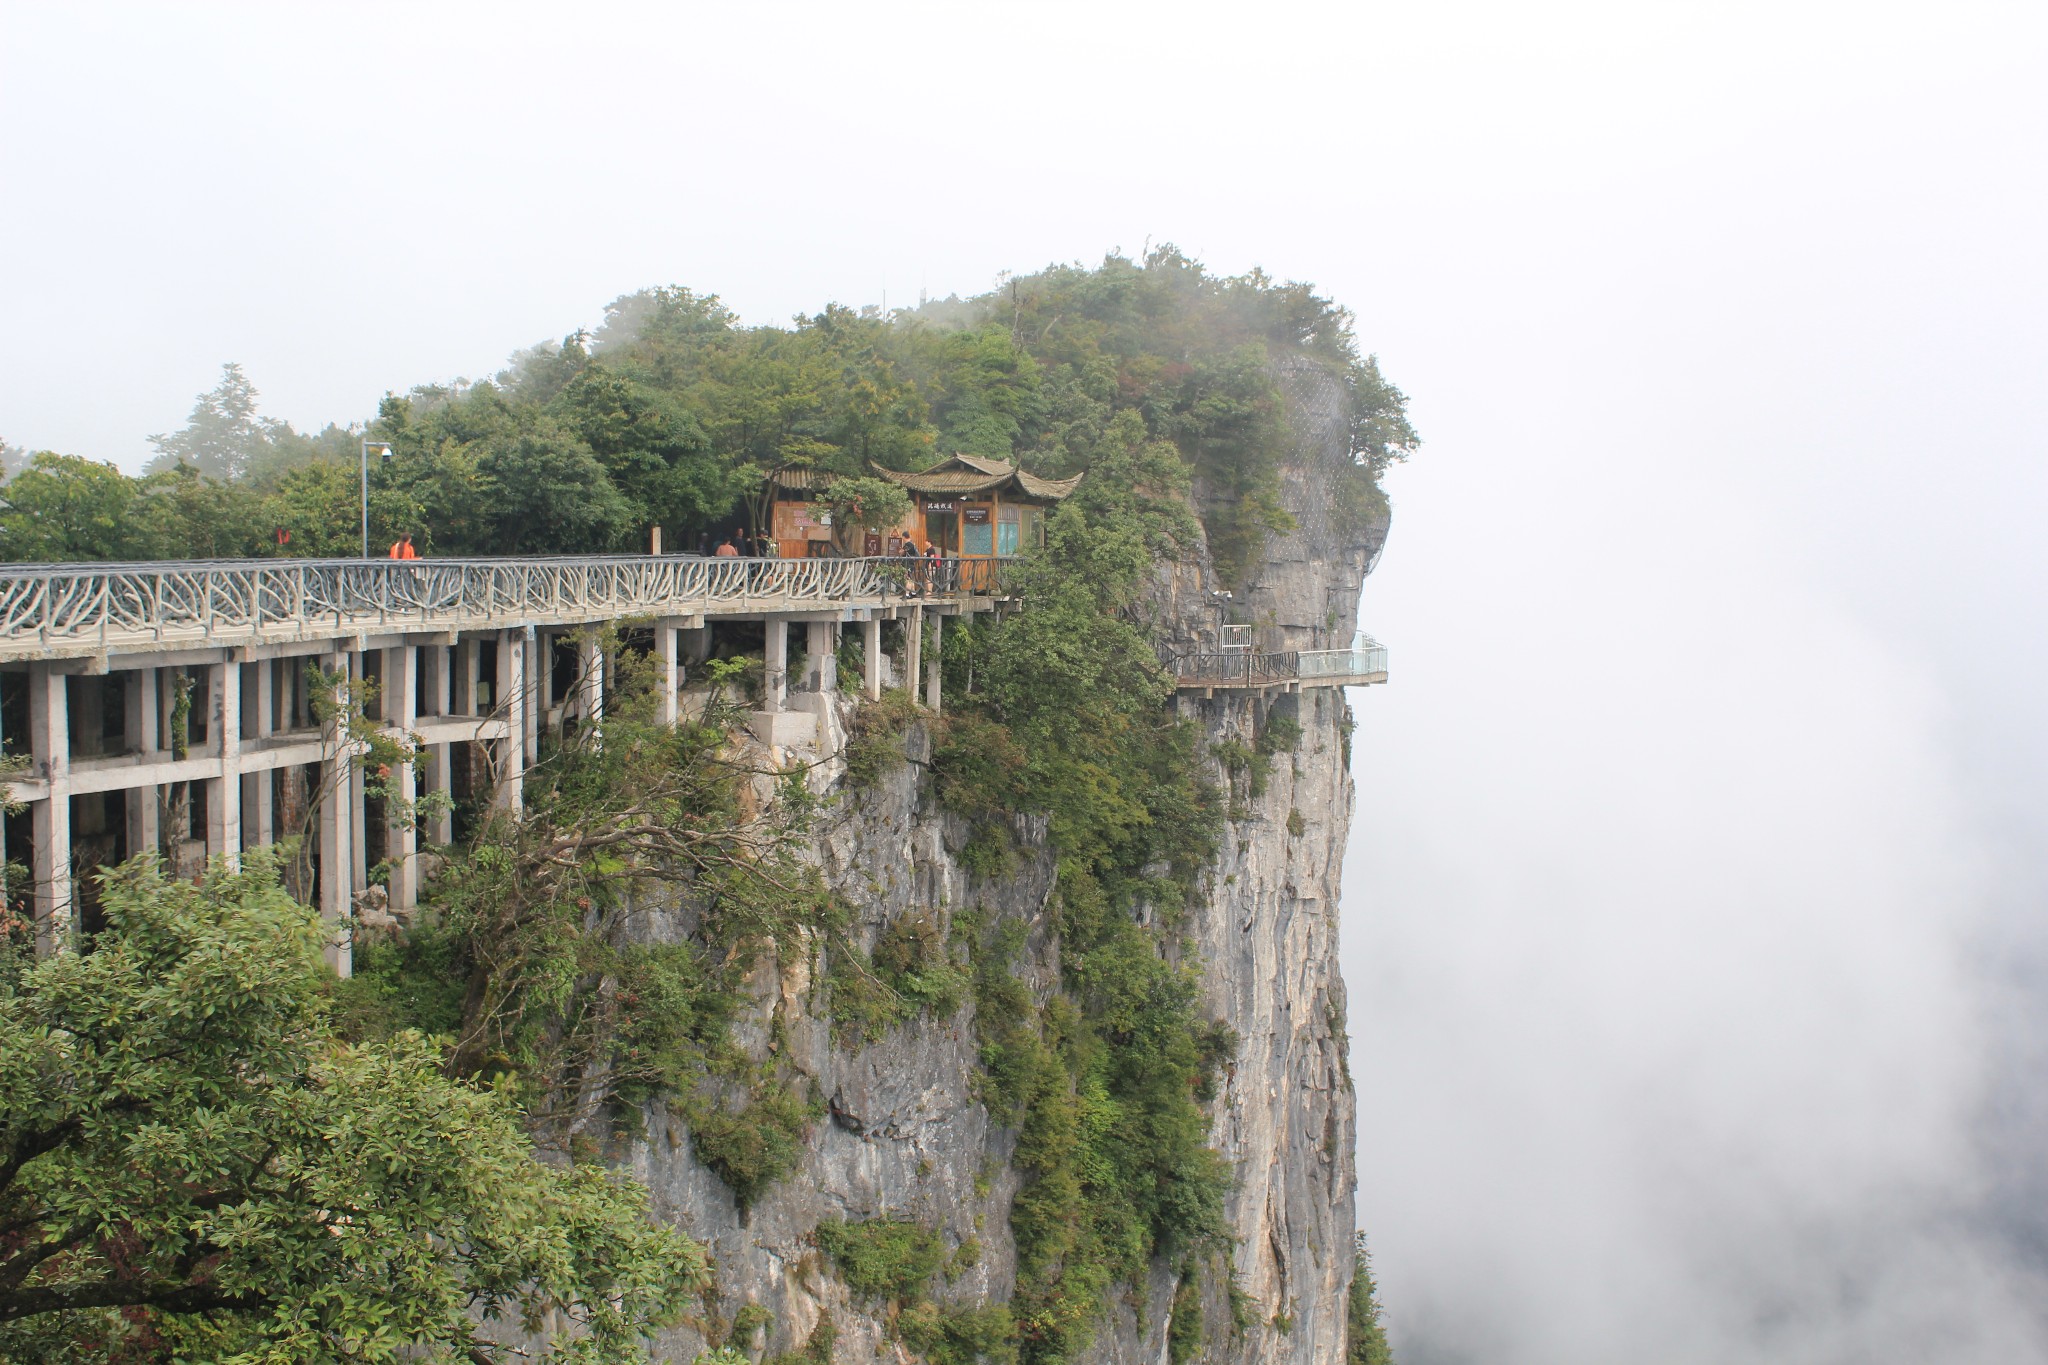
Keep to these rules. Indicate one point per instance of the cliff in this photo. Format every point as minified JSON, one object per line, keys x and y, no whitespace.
{"x":904,"y":1133}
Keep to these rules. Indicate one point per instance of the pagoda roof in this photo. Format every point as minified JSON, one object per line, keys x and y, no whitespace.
{"x":966,"y":475}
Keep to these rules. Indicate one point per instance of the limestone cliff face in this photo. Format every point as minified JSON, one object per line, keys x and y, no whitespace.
{"x":903,"y":1134}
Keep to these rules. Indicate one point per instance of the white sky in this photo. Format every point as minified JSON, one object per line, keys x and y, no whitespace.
{"x":1693,"y":909}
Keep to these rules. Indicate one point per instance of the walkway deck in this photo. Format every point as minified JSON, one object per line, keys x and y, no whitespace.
{"x":1362,"y":665}
{"x":57,"y":611}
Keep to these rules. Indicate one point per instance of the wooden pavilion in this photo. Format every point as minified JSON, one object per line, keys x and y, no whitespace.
{"x":969,"y":506}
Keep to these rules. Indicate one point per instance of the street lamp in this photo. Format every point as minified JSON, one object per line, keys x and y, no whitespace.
{"x":384,"y":446}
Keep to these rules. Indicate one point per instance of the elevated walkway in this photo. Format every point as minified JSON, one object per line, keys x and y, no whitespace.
{"x":57,"y":611}
{"x":174,"y":707}
{"x":1361,"y":665}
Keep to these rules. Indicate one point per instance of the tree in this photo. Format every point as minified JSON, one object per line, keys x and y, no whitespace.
{"x":864,"y":504}
{"x":12,"y":458}
{"x":185,"y":515}
{"x":193,"y":1167}
{"x":64,"y":508}
{"x":1365,"y":1332}
{"x":223,"y":437}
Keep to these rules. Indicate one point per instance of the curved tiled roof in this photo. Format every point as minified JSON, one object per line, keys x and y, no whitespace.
{"x":964,"y":475}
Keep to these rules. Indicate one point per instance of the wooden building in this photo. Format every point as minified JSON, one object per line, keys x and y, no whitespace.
{"x":969,"y":506}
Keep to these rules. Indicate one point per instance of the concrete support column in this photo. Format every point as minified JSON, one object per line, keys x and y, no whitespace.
{"x":821,"y":661}
{"x":665,"y":671}
{"x":775,"y":659}
{"x":515,"y":704}
{"x":224,"y":792}
{"x":463,"y":700}
{"x":535,"y":684}
{"x":871,"y":664}
{"x":258,"y":823}
{"x":696,"y":645}
{"x":401,"y":682}
{"x":931,"y":665}
{"x":438,"y":827}
{"x":144,"y":835}
{"x":434,"y":679}
{"x":913,"y":649}
{"x":50,"y":751}
{"x":590,"y":680}
{"x":336,"y":831}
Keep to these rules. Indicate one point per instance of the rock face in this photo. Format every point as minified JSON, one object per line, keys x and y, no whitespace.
{"x":903,"y":1134}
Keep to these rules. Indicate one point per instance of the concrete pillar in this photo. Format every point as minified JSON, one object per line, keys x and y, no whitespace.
{"x":401,"y":683}
{"x":462,"y":701}
{"x":258,"y":826}
{"x":336,"y":832}
{"x":913,"y":649}
{"x":143,"y":832}
{"x":821,"y":662}
{"x":50,"y":751}
{"x":535,"y":683}
{"x":775,"y":659}
{"x":931,"y":665}
{"x":590,"y":681}
{"x":696,"y":645}
{"x":871,"y":664}
{"x":224,"y":791}
{"x":665,"y":671}
{"x":434,"y":679}
{"x":515,"y":704}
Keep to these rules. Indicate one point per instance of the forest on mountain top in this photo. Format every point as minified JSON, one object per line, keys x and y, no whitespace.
{"x":672,"y":412}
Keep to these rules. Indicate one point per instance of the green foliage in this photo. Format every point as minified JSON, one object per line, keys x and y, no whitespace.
{"x":875,"y":744}
{"x":669,"y":414}
{"x":817,"y":1348}
{"x":578,"y":1016}
{"x":912,"y":972}
{"x":1184,"y":1325}
{"x":959,"y":1336}
{"x":224,"y":438}
{"x":755,"y":1144}
{"x":866,"y":503}
{"x":883,"y":1257}
{"x":748,"y":1322}
{"x":65,"y":508}
{"x":192,"y":1167}
{"x":1365,"y":1328}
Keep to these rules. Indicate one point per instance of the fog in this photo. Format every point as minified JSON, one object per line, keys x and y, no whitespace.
{"x":1693,"y":908}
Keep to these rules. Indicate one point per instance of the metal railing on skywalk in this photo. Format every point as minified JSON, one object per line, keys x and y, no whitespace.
{"x":69,"y":609}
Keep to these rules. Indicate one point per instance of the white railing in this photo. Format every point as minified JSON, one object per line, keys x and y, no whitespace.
{"x":1363,"y":663}
{"x":72,"y":608}
{"x":1366,"y":659}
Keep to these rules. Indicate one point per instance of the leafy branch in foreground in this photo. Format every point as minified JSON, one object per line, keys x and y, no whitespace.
{"x":192,"y":1167}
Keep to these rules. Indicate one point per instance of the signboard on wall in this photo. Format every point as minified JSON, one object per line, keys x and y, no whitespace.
{"x":977,"y":516}
{"x":947,"y":506}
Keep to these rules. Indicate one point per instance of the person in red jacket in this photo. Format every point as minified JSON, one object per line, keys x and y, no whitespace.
{"x":401,"y":548}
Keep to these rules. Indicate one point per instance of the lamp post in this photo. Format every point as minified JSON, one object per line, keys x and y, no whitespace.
{"x":384,"y":446}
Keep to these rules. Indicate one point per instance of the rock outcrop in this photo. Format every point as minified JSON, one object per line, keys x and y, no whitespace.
{"x":902,"y":1133}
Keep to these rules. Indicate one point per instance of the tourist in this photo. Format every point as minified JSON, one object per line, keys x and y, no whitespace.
{"x":726,"y":549}
{"x":401,"y":548}
{"x":907,"y":556}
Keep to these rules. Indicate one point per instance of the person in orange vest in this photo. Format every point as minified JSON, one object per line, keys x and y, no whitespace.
{"x":401,"y":548}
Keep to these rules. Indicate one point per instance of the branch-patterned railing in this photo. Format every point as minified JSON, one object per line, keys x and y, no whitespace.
{"x":46,"y":608}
